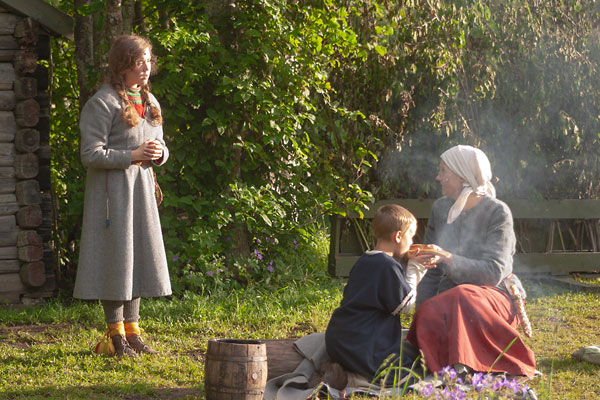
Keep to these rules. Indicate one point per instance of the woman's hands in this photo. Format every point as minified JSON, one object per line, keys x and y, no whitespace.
{"x":149,"y":150}
{"x":430,"y":259}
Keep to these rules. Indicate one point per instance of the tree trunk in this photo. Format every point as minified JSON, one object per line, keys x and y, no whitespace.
{"x":128,"y":16}
{"x":84,"y":51}
{"x":113,"y":21}
{"x":139,"y":17}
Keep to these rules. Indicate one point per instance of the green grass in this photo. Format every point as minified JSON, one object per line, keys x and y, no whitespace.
{"x":46,"y":351}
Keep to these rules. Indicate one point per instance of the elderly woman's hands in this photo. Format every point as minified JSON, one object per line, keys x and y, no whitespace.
{"x":430,"y":255}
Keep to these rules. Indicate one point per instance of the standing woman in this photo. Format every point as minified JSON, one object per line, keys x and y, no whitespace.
{"x":122,"y":255}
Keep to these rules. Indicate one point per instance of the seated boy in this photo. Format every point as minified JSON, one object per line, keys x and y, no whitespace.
{"x":365,"y":330}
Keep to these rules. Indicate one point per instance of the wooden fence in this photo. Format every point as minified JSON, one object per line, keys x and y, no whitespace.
{"x":554,"y":237}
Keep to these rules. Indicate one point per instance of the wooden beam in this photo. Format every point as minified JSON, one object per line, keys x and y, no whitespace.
{"x":524,"y":263}
{"x":521,"y":209}
{"x":51,"y":18}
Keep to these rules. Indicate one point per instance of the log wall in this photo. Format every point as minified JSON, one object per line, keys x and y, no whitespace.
{"x":26,"y":206}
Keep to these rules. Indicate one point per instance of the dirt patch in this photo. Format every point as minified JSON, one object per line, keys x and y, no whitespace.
{"x":33,"y":329}
{"x":169,"y":393}
{"x":25,"y":336}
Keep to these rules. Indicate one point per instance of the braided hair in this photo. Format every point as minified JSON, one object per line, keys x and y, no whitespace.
{"x":123,"y":54}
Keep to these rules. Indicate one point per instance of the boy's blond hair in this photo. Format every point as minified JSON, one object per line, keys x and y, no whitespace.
{"x":391,"y":218}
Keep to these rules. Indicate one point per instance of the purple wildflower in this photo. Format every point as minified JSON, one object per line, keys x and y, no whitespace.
{"x":497,"y":384}
{"x":258,"y":255}
{"x":447,"y":393}
{"x":189,"y":277}
{"x":257,"y":240}
{"x":478,"y":381}
{"x":449,"y":372}
{"x":210,"y":273}
{"x":514,"y":386}
{"x":428,"y":390}
{"x":270,"y":267}
{"x":174,"y":259}
{"x":295,"y":243}
{"x":189,"y":260}
{"x":459,"y":394}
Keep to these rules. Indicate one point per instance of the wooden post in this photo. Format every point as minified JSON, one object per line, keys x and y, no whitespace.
{"x":8,"y":266}
{"x":44,"y":154}
{"x":7,"y":76}
{"x":43,"y":99}
{"x":25,"y":61}
{"x":7,"y":100}
{"x":8,"y":126}
{"x":8,"y":207}
{"x":8,"y":253}
{"x":43,"y":126}
{"x":28,"y":192}
{"x":8,"y":185}
{"x":8,"y":42}
{"x":10,"y":283}
{"x":44,"y":48}
{"x":7,"y":23}
{"x":25,"y":88}
{"x":7,"y":154}
{"x":8,"y":231}
{"x":29,"y":216}
{"x":27,"y":113}
{"x":30,"y":253}
{"x":27,"y":140}
{"x":7,"y":172}
{"x":33,"y":274}
{"x":41,"y":74}
{"x":26,"y":32}
{"x":29,"y":238}
{"x":26,"y":166}
{"x":44,"y":177}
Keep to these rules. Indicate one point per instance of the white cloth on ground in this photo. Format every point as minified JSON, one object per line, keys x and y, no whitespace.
{"x":293,"y":386}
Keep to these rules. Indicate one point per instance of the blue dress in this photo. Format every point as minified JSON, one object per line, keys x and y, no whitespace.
{"x":365,"y":330}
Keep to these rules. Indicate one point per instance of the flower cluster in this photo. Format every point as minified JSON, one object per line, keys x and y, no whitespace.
{"x":488,"y":386}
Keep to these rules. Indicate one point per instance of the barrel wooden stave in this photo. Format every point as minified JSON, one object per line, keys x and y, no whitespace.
{"x":235,"y":369}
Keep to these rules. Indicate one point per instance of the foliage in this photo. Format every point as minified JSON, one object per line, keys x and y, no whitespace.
{"x":279,"y":113}
{"x":525,"y":91}
{"x":67,"y":172}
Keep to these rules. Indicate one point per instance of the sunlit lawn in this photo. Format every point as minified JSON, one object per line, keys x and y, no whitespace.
{"x":46,"y":351}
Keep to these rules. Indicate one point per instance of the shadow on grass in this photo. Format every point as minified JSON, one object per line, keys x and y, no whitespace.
{"x":557,"y":364}
{"x":131,"y":392}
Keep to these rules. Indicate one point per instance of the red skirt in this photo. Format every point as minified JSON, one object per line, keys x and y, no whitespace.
{"x":471,"y":325}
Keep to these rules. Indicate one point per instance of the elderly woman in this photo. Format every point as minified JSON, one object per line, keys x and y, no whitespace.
{"x":465,"y":315}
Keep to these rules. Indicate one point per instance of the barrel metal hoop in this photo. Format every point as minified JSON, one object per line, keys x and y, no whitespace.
{"x":229,"y":389}
{"x":234,"y":358}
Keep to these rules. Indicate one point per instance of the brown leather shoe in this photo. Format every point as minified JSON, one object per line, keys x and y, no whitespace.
{"x":122,"y":347}
{"x":139,"y":346}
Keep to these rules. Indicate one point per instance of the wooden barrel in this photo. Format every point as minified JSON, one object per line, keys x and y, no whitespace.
{"x":235,"y":369}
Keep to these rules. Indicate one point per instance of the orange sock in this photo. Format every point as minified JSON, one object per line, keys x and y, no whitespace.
{"x":116,"y":328}
{"x":132,"y":328}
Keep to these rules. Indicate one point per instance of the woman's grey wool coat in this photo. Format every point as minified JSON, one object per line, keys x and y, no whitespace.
{"x":122,"y":255}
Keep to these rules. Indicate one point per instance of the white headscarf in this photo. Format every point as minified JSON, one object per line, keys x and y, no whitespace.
{"x":472,"y":165}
